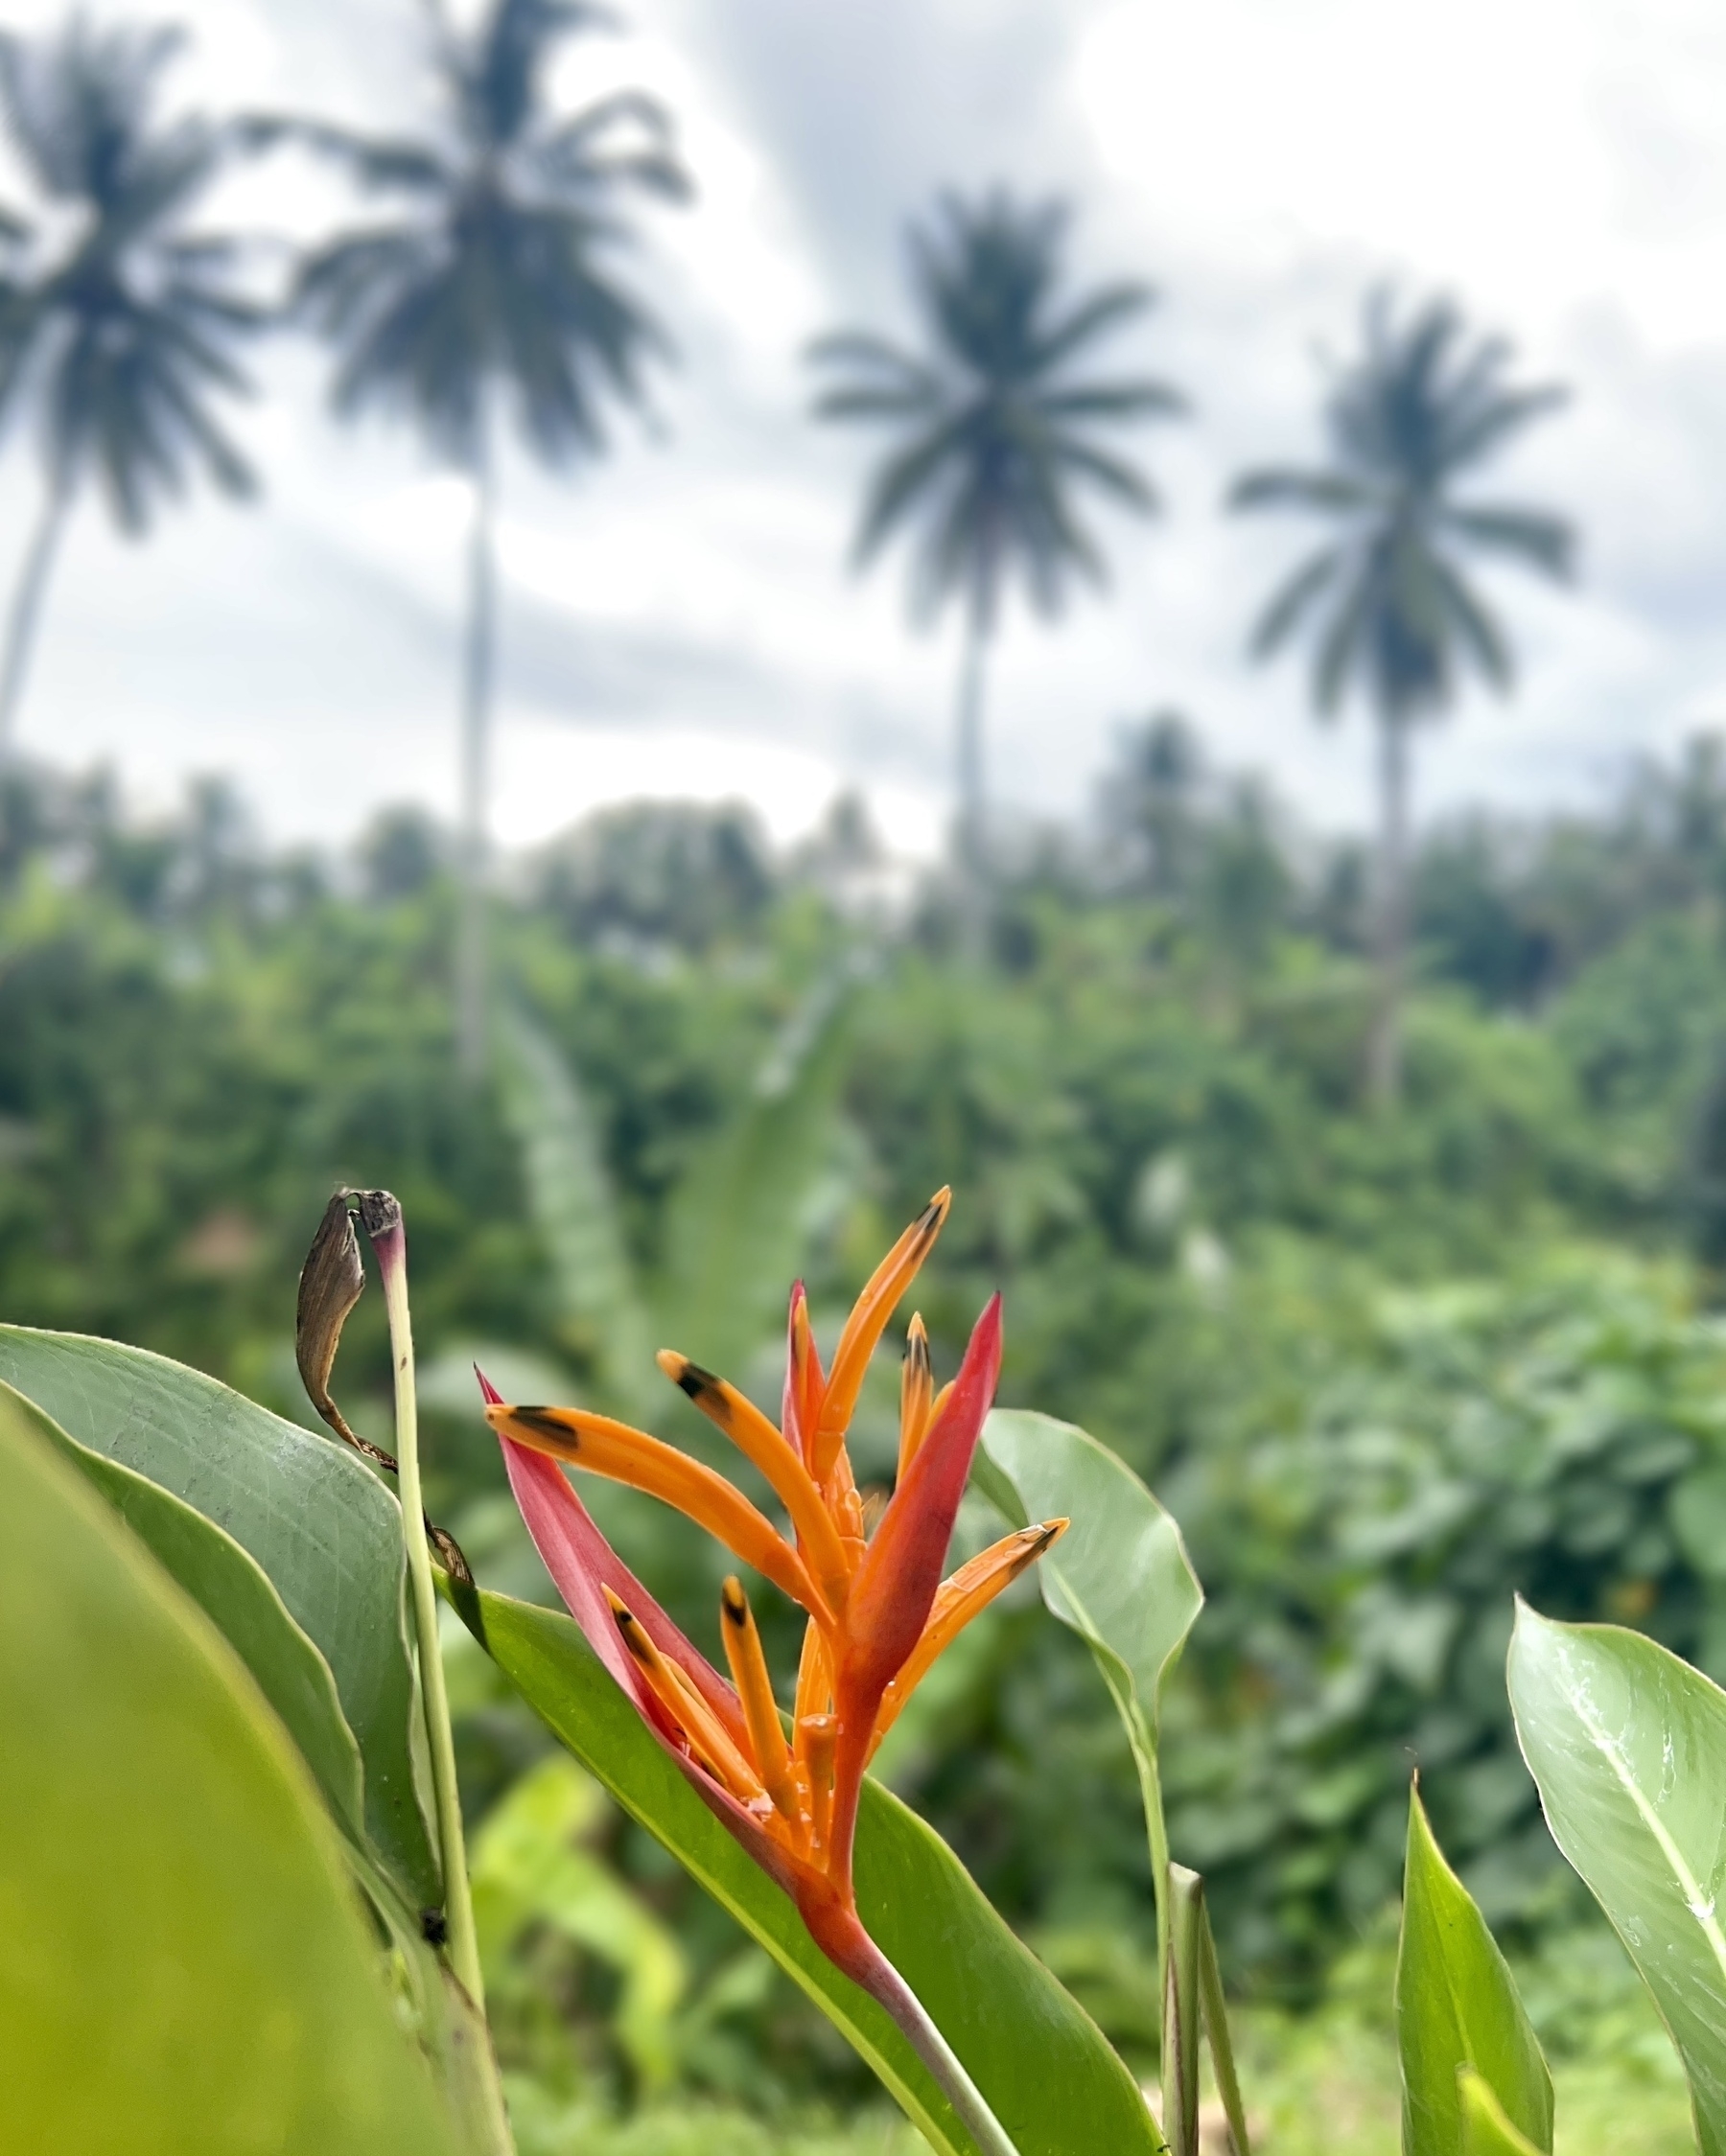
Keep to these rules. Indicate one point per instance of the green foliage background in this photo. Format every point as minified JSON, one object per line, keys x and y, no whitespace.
{"x":1384,"y":1371}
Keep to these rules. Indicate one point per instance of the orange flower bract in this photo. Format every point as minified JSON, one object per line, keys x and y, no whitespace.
{"x":879,"y":1611}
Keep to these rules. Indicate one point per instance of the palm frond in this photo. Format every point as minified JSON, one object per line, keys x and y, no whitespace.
{"x":1144,"y":399}
{"x":1475,"y":624}
{"x":870,"y":404}
{"x":374,"y":162}
{"x":1095,"y":316}
{"x":1528,"y":535}
{"x":1507,"y":415}
{"x":1340,"y":647}
{"x":1122,"y":481}
{"x":1293,"y":600}
{"x":498,"y":72}
{"x":899,"y":484}
{"x":1279,"y":486}
{"x":626,"y":140}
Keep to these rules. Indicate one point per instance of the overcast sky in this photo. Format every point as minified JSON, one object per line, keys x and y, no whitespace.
{"x":679,"y":619}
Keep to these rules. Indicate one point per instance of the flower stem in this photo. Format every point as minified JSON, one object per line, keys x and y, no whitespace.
{"x":885,"y":1984}
{"x":380,"y":1217}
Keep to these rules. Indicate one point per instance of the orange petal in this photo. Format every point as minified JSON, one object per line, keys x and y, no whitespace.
{"x":701,"y":1727}
{"x":630,"y":1456}
{"x":755,"y":1689}
{"x":916,"y":1386}
{"x":816,"y":1737}
{"x":805,"y":1383}
{"x":965,"y":1595}
{"x":814,"y":1678}
{"x":866,"y":1324}
{"x":761,"y":1443}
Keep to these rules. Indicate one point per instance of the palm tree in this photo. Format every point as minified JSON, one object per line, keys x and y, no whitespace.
{"x":115,"y":336}
{"x":994,"y":431}
{"x":1386,"y":600}
{"x":487,"y":294}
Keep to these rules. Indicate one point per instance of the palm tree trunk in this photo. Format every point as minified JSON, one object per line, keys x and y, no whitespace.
{"x":973,"y":832}
{"x":476,"y":773}
{"x":27,"y":607}
{"x":1383,"y":1047}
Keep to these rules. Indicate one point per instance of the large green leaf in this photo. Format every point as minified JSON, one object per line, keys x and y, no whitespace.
{"x":237,"y":1596}
{"x":321,"y":1525}
{"x":182,"y":1962}
{"x":1628,"y":1746}
{"x":1457,"y":2010}
{"x":1043,"y":2065}
{"x":740,"y":1219}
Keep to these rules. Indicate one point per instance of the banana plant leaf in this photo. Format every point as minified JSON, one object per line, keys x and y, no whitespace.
{"x":570,"y":1195}
{"x":182,"y":1961}
{"x":1628,"y":1747}
{"x":322,"y":1527}
{"x":1044,"y":2067}
{"x":739,"y":1219}
{"x":1457,"y":2012}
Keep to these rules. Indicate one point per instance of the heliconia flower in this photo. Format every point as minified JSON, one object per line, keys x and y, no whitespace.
{"x":879,"y":1610}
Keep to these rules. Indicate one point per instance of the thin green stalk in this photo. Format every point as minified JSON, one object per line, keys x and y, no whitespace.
{"x":1182,"y":2012}
{"x":381,"y":1216}
{"x":890,"y":1989}
{"x":1217,"y":2035}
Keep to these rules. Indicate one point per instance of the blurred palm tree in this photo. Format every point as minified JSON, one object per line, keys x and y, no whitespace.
{"x":994,"y":430}
{"x":490,"y":295}
{"x":1387,"y":601}
{"x":117,"y":318}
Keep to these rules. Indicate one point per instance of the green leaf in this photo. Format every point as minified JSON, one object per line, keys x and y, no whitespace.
{"x":739,"y":1221}
{"x":181,"y":1958}
{"x":1485,"y":2129}
{"x":1628,"y":1747}
{"x":238,"y":1599}
{"x":1457,"y":2010}
{"x":321,"y":1525}
{"x":1041,"y":2062}
{"x":1119,"y":1577}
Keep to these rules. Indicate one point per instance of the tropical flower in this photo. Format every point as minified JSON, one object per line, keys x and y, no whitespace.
{"x":879,"y":1611}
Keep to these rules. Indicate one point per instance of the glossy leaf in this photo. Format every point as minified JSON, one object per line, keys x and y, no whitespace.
{"x":323,"y":1528}
{"x":1487,"y":2131}
{"x":1040,"y":2060}
{"x":237,"y":1598}
{"x":1628,"y":1747}
{"x":1457,"y":2010}
{"x":182,"y":1960}
{"x":1119,"y":1577}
